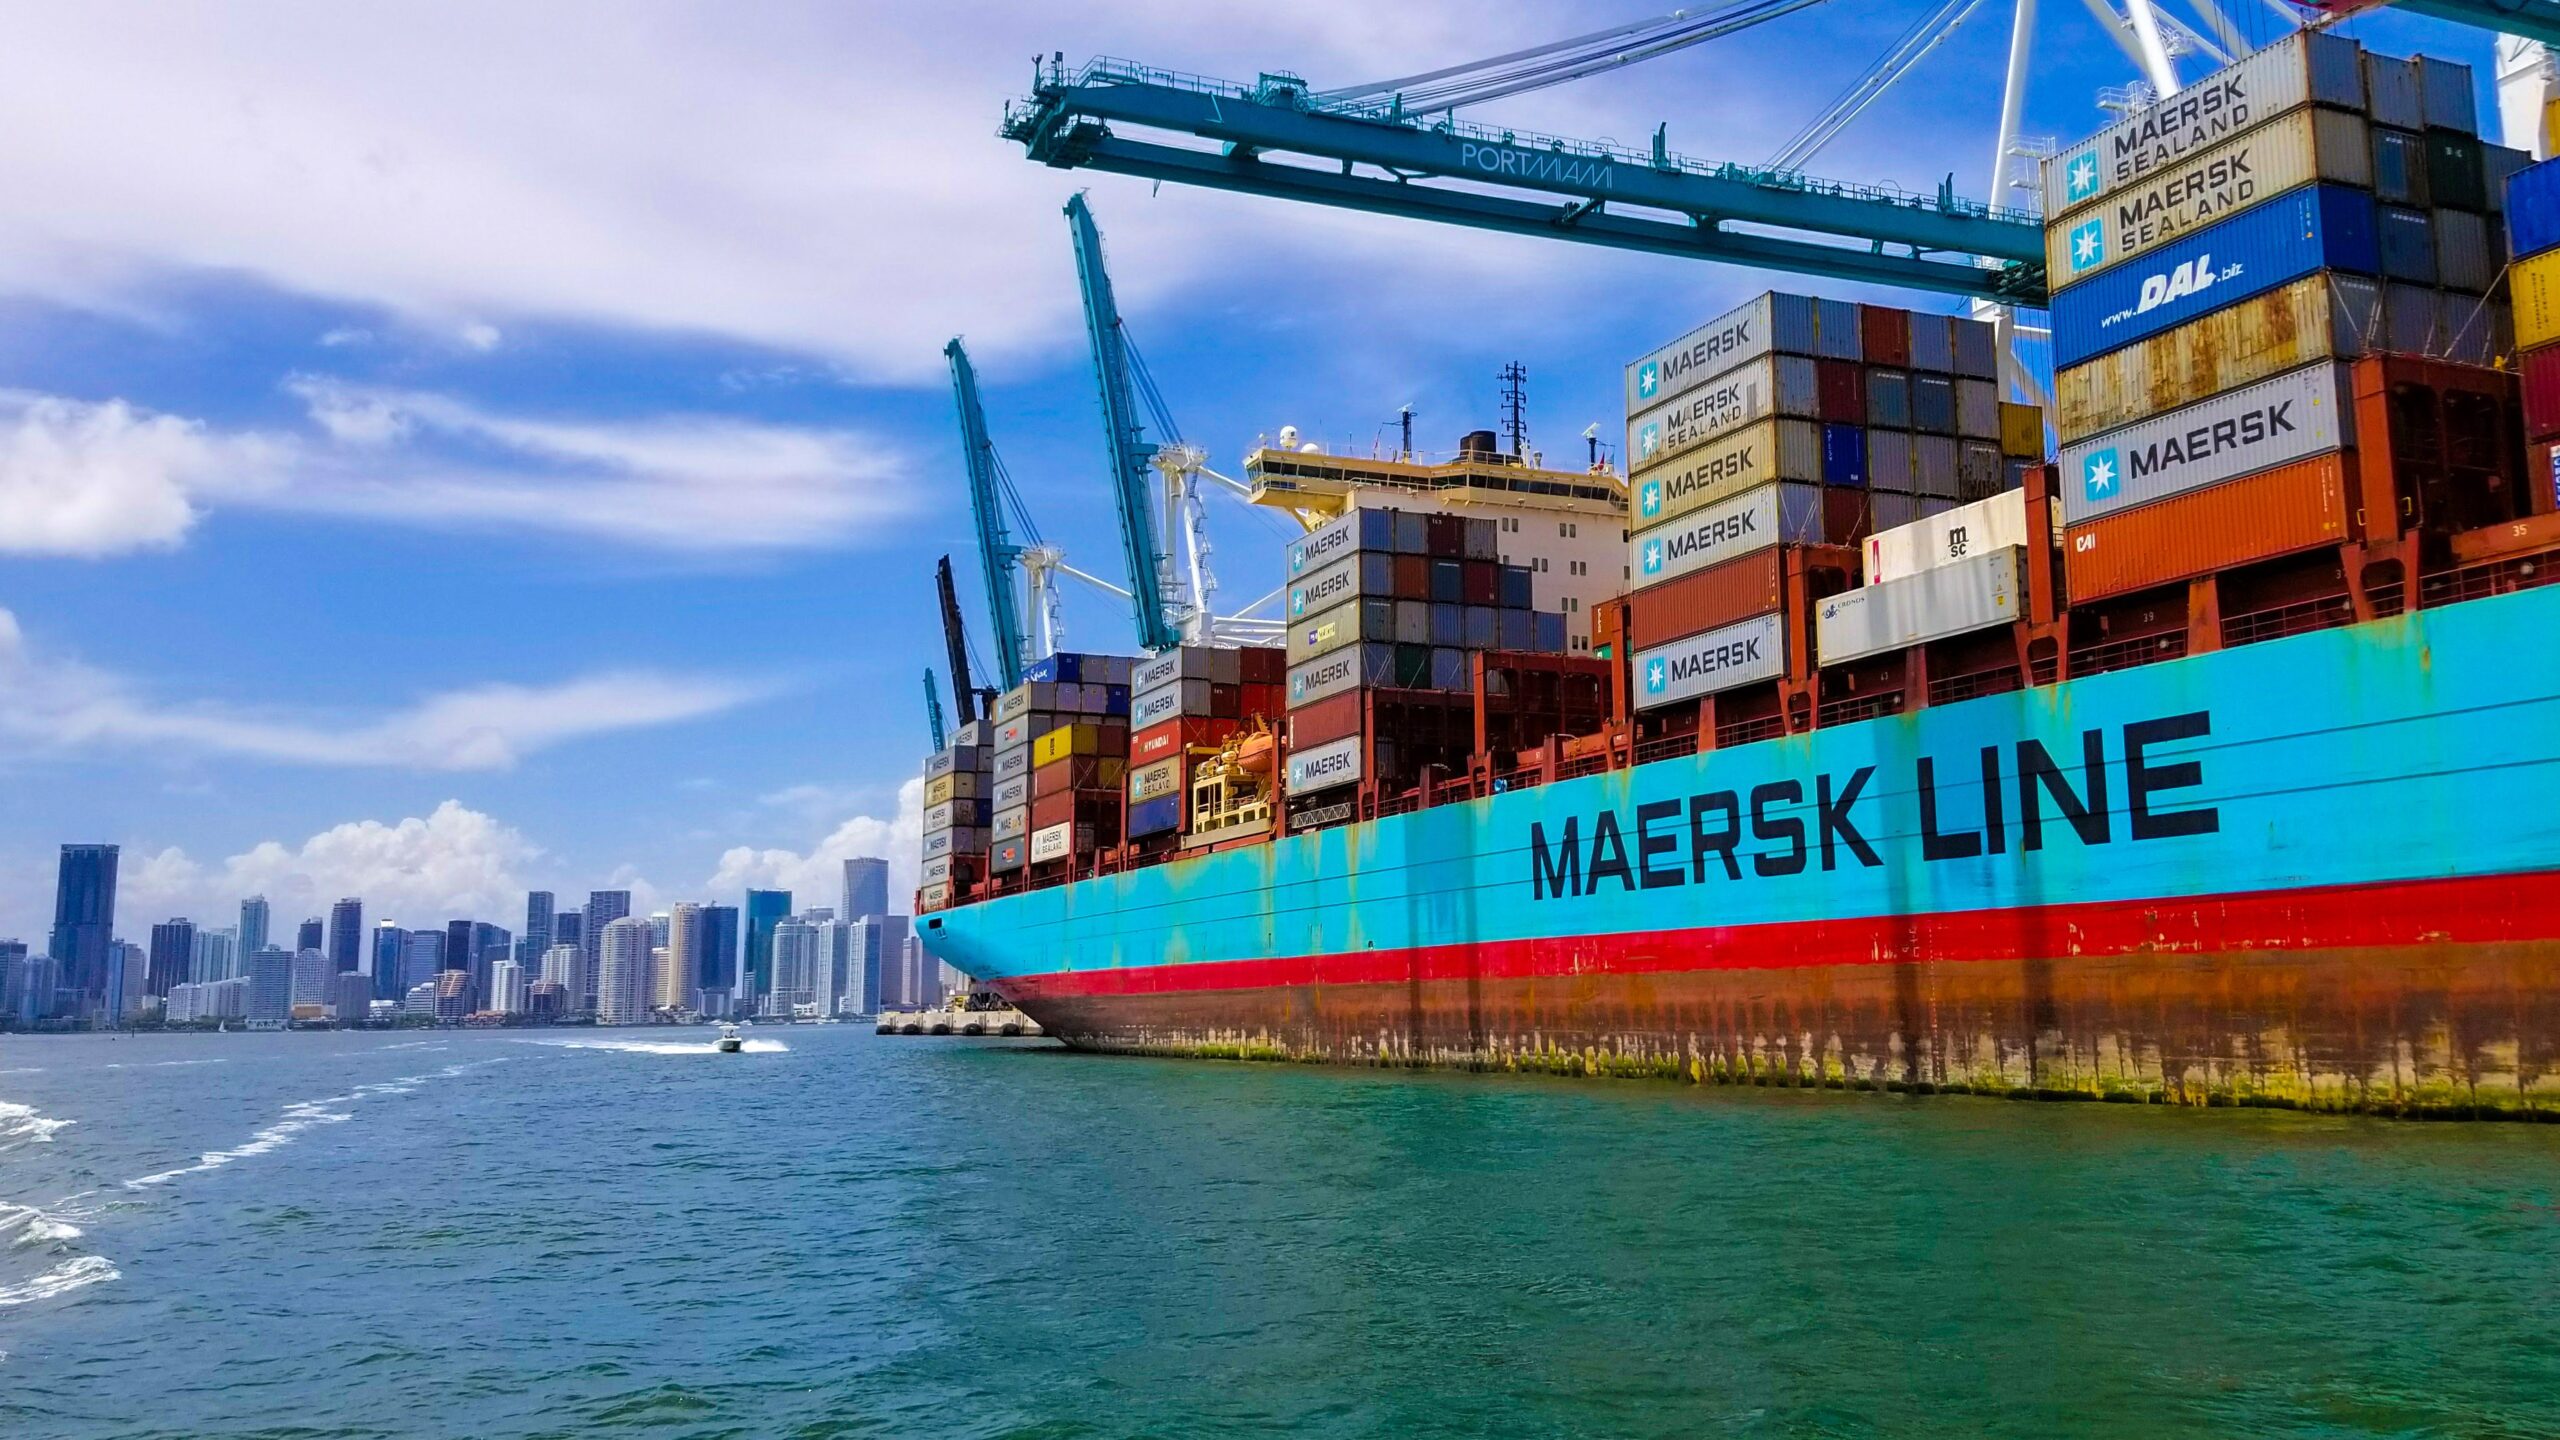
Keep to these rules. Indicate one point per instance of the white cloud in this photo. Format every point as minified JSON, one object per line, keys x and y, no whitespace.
{"x":49,"y":705}
{"x":817,"y":876}
{"x":480,"y":336}
{"x":85,"y":479}
{"x":454,"y":863}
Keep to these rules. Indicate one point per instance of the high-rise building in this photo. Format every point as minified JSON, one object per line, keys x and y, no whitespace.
{"x":537,"y":922}
{"x":866,"y":887}
{"x":684,"y":957}
{"x":622,"y":971}
{"x":420,"y":1002}
{"x":423,"y":959}
{"x":312,"y":973}
{"x":253,"y":927}
{"x":350,"y":996}
{"x":506,"y":988}
{"x":216,"y":957}
{"x":128,"y":980}
{"x":603,"y":908}
{"x":84,"y":921}
{"x":834,"y":946}
{"x":716,"y":977}
{"x":795,"y":959}
{"x":458,"y":948}
{"x":568,"y":927}
{"x":270,"y":986}
{"x":309,"y":937}
{"x":875,"y":947}
{"x":346,"y":935}
{"x":765,"y":909}
{"x":390,"y":954}
{"x":911,"y":963}
{"x":173,"y":956}
{"x":489,"y":945}
{"x":13,"y":978}
{"x":561,"y":965}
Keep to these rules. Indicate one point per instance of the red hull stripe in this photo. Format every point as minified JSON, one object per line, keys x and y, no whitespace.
{"x":2475,"y":911}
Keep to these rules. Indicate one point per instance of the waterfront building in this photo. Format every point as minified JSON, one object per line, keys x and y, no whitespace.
{"x":39,"y":988}
{"x":311,"y":936}
{"x":271,"y":986}
{"x":662,"y":970}
{"x":13,"y":977}
{"x":658,"y":922}
{"x":424,"y":957}
{"x":716,"y":977}
{"x":561,"y":965}
{"x":603,"y":908}
{"x":866,"y":887}
{"x":216,"y":958}
{"x":568,"y":927}
{"x":453,"y":994}
{"x":548,"y":1000}
{"x":833,"y":962}
{"x":311,"y":972}
{"x":173,"y":956}
{"x":622,"y":972}
{"x":350,"y":994}
{"x":253,"y":926}
{"x":683,"y":977}
{"x":390,"y":953}
{"x":128,"y":981}
{"x":420,"y":1002}
{"x":213,"y":1000}
{"x":346,"y":935}
{"x":538,"y":905}
{"x":84,"y":921}
{"x":506,"y":987}
{"x":793,"y":952}
{"x":765,"y":909}
{"x":457,"y":945}
{"x":912,"y":991}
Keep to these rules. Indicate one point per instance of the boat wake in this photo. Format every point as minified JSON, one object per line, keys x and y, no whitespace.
{"x":663,"y":1047}
{"x":301,"y":1116}
{"x":165,"y":1064}
{"x":76,"y":1273}
{"x":21,"y":1125}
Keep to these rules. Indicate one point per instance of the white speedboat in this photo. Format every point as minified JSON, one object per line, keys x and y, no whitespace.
{"x":731,"y":1042}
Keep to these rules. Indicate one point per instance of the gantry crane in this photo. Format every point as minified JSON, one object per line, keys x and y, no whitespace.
{"x":989,"y":491}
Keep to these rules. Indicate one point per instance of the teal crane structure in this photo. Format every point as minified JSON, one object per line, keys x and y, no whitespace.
{"x":989,"y":490}
{"x":1132,"y":456}
{"x":933,"y":710}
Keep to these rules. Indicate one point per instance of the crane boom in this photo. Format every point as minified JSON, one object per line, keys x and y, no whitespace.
{"x":933,"y":710}
{"x":998,"y":555}
{"x":955,"y":640}
{"x":1131,"y":455}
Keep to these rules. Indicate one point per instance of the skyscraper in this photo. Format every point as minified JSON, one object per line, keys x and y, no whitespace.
{"x":622,"y":970}
{"x":560,"y":966}
{"x":794,"y":957}
{"x":716,"y":974}
{"x":84,"y":920}
{"x":866,"y":887}
{"x":603,"y":908}
{"x":765,"y":909}
{"x":684,"y":956}
{"x":390,"y":952}
{"x":506,"y":988}
{"x":834,"y":945}
{"x":309,"y":937}
{"x":215,"y":958}
{"x":537,"y":922}
{"x":568,"y":927}
{"x":270,"y":986}
{"x":346,"y":935}
{"x":876,"y":947}
{"x":457,"y":945}
{"x":253,"y":926}
{"x":173,"y":956}
{"x":424,"y":958}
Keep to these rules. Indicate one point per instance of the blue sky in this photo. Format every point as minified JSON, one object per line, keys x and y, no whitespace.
{"x":446,"y":449}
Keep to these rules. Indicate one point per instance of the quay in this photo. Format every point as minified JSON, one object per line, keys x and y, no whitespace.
{"x":955,"y":1022}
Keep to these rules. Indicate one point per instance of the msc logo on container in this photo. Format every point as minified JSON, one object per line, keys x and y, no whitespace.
{"x":1648,"y":439}
{"x":2101,"y":476}
{"x":2082,"y":180}
{"x":2088,"y":243}
{"x":1648,"y":379}
{"x":1653,"y":557}
{"x":1650,"y":498}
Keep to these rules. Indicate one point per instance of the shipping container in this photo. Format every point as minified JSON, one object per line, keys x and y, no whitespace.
{"x":2275,"y":512}
{"x":1977,"y":410}
{"x":1176,"y":737}
{"x":1933,"y":404}
{"x":958,"y":841}
{"x":1889,"y":466}
{"x":1155,"y":781}
{"x":2445,"y":93}
{"x":1770,"y":450}
{"x":1024,"y":698}
{"x":1480,"y":538}
{"x":1062,"y":842}
{"x":1347,"y":669}
{"x":1010,"y":856}
{"x":1012,"y":764}
{"x":1892,"y":510}
{"x":2239,"y":432}
{"x":2021,"y":431}
{"x":2457,"y":179}
{"x":1369,"y":574}
{"x":1718,"y":660}
{"x":1326,"y":766}
{"x":2319,"y":317}
{"x":2305,"y":68}
{"x":1413,"y":535}
{"x":1413,"y":622}
{"x":1479,"y":631}
{"x":1770,"y":515}
{"x":1159,"y":816}
{"x":1076,"y":772}
{"x":1348,"y":624}
{"x":1082,"y":738}
{"x":2466,"y":253}
{"x":956,"y":815}
{"x":1188,"y":662}
{"x":1021,"y":730}
{"x":1776,"y":385}
{"x":2321,"y":227}
{"x":1327,"y":720}
{"x":1977,"y":349}
{"x":1183,"y":697}
{"x":1840,"y":391}
{"x":2534,"y":287}
{"x":1933,"y":468}
{"x":1014,"y":822}
{"x":1953,"y":599}
{"x":2533,"y":210}
{"x":1012,"y":792}
{"x":958,"y":785}
{"x":1968,"y":530}
{"x":1836,"y":330}
{"x":1450,"y":669}
{"x":2412,"y":318}
{"x":1889,"y":399}
{"x":1079,"y":807}
{"x":2408,"y":244}
{"x":1980,"y":470}
{"x":2391,"y":92}
{"x":935,"y":870}
{"x":1515,"y":588}
{"x":1844,"y":455}
{"x":2498,"y":164}
{"x":2541,"y":374}
{"x":1448,"y":625}
{"x":2305,"y":147}
{"x":1933,"y":343}
{"x":955,"y":759}
{"x":1359,"y":530}
{"x":1706,"y":600}
{"x":2400,"y":167}
{"x":1770,"y":324}
{"x":1884,"y":335}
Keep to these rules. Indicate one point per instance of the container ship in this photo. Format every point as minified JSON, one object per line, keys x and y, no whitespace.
{"x":2198,"y":741}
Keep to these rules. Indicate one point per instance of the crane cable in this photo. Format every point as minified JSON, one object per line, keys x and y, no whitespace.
{"x":1925,"y":35}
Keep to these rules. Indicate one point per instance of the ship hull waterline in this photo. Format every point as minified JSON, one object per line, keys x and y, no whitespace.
{"x":2321,"y":873}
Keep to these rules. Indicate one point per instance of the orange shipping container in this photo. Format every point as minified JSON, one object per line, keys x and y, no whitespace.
{"x":1738,"y":589}
{"x":2239,"y":522}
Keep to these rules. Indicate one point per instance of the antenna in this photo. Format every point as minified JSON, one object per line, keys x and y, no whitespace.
{"x":1591,"y":434}
{"x":1515,"y":400}
{"x":1404,"y":416}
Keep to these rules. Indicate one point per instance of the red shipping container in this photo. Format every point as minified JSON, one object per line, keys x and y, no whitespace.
{"x":2541,"y":392}
{"x":1885,"y":335}
{"x":1840,"y":391}
{"x":1262,"y":701}
{"x":1413,"y":577}
{"x":1262,"y":665}
{"x":1481,"y":584}
{"x":1174,"y":737}
{"x":1057,"y":809}
{"x":2238,"y":522}
{"x":1326,"y":720}
{"x":1738,"y":589}
{"x":1077,"y":772}
{"x":2542,"y":479}
{"x":1444,"y":536}
{"x":1847,"y":516}
{"x":1222,"y":701}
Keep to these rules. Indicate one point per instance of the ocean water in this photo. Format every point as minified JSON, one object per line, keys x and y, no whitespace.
{"x":498,"y":1235}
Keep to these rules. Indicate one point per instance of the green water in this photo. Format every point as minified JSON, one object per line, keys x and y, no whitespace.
{"x":865,"y":1236}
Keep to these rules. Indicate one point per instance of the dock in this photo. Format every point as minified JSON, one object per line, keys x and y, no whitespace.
{"x":955,"y":1022}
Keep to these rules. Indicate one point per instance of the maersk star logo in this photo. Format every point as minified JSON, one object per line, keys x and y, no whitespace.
{"x":2083,"y":179}
{"x":1656,"y":675}
{"x":1298,"y":687}
{"x":2088,"y":245}
{"x":1651,"y":499}
{"x":1653,"y":557}
{"x":1297,"y":604}
{"x":1648,"y":380}
{"x":2100,"y":475}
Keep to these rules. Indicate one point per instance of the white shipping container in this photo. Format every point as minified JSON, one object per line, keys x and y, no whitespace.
{"x":1321,"y":767}
{"x":1347,"y":669}
{"x":2303,"y":147}
{"x":1010,"y":823}
{"x":2294,"y":416}
{"x":1033,"y":695}
{"x":1058,"y":841}
{"x":1931,"y":604}
{"x":1779,"y":385}
{"x":1011,"y":763}
{"x":1182,"y":697}
{"x":1186,"y":662}
{"x":1966,"y":531}
{"x":1754,"y":455}
{"x":2305,"y":68}
{"x":963,"y":841}
{"x":1150,"y":782}
{"x":1772,"y":323}
{"x":1738,"y":525}
{"x":935,"y":870}
{"x":1013,"y":792}
{"x":1754,"y":649}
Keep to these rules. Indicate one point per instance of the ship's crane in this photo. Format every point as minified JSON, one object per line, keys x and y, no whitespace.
{"x":989,"y":493}
{"x":933,"y":711}
{"x":955,"y":641}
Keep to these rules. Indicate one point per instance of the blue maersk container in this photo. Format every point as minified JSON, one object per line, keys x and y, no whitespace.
{"x":2533,"y":209}
{"x":1154,"y":817}
{"x":2318,"y":227}
{"x":1844,"y":455}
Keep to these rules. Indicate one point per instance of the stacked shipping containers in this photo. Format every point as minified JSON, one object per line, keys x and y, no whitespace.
{"x":1789,"y":423}
{"x":1076,"y":773}
{"x":2533,"y":237}
{"x":1947,"y":575}
{"x":1386,"y":608}
{"x":957,"y":790}
{"x":1186,"y":700}
{"x":1067,"y":690}
{"x":2217,"y":259}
